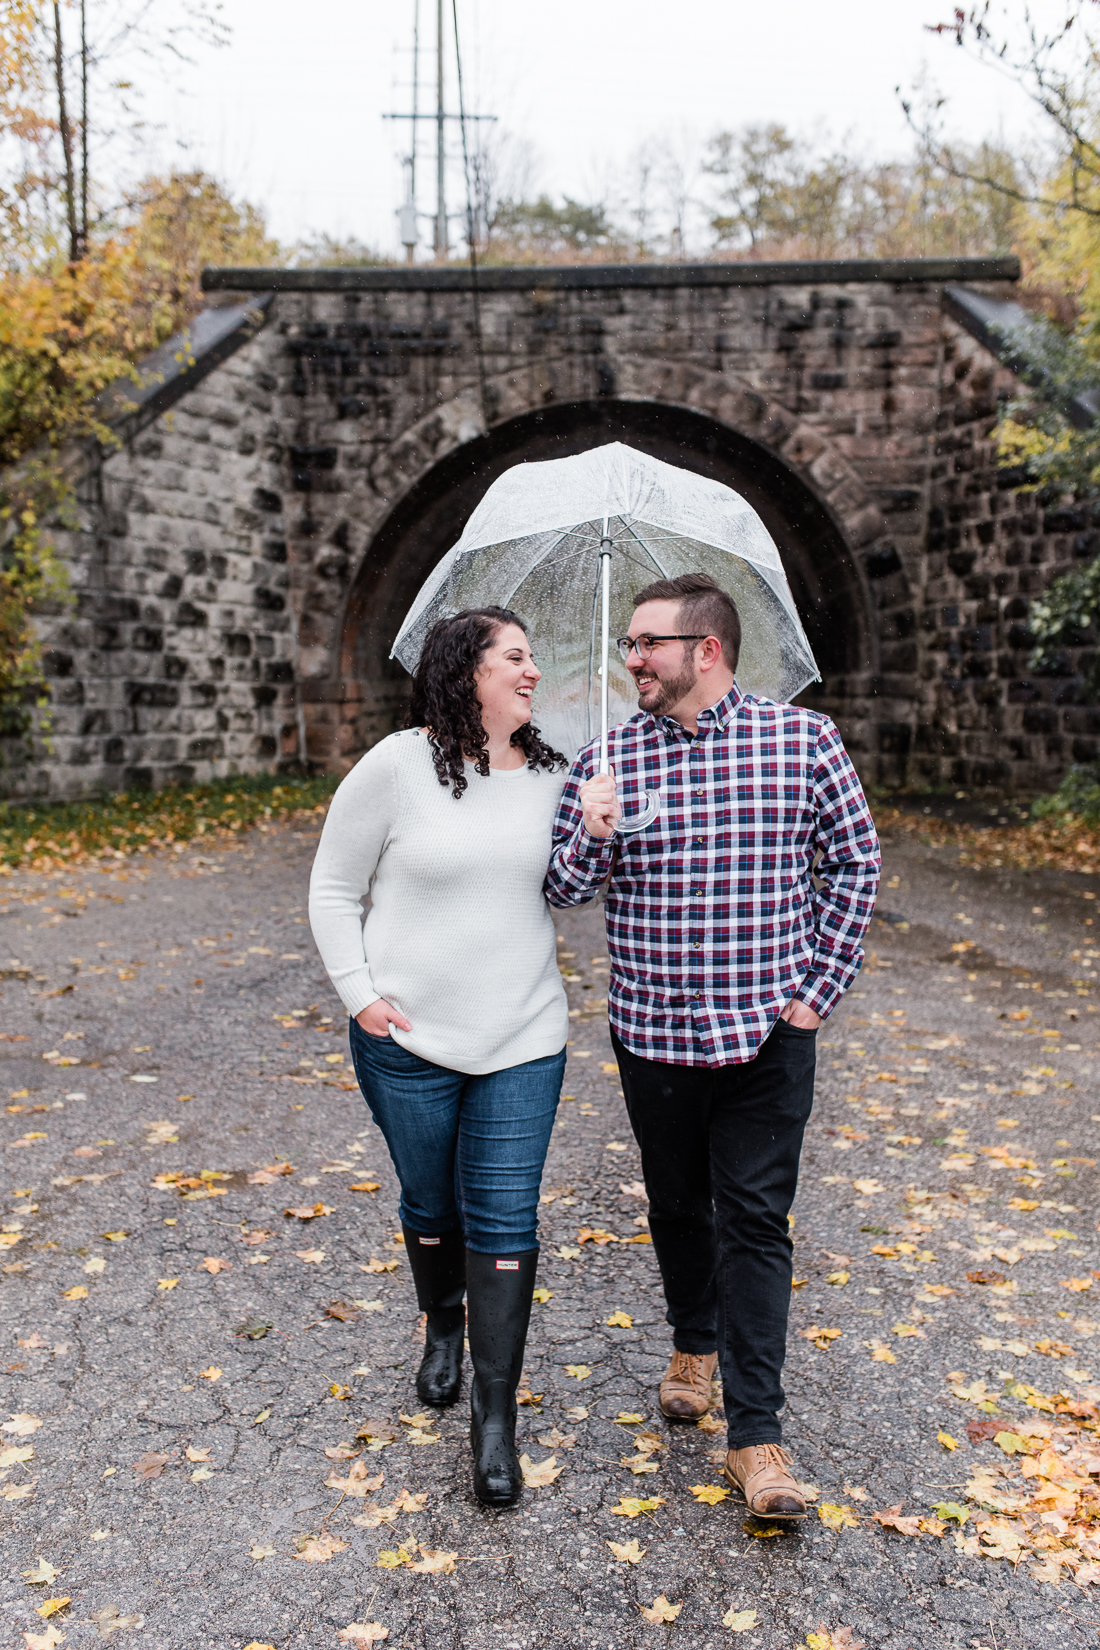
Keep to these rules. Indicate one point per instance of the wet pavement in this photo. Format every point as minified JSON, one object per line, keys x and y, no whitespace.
{"x":171,"y":1357}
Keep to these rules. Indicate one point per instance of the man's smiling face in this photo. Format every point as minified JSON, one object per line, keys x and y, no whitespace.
{"x":669,"y":674}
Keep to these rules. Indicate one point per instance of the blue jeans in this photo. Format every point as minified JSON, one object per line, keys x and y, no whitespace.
{"x":468,"y":1151}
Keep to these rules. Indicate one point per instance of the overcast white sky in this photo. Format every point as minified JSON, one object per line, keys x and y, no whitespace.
{"x":290,"y":113}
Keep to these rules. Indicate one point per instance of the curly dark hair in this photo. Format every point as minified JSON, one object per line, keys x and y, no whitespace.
{"x":444,"y":697}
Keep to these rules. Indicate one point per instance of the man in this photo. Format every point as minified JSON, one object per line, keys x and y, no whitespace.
{"x":734,"y":924}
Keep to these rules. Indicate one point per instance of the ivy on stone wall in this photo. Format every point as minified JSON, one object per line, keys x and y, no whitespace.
{"x":33,"y":581}
{"x":1051,"y":434}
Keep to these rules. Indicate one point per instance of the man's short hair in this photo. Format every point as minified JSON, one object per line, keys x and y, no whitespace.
{"x":705,"y":609}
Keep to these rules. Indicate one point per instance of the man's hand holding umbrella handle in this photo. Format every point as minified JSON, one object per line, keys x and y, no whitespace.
{"x":377,"y":1017}
{"x":600,"y":803}
{"x":799,"y":1015}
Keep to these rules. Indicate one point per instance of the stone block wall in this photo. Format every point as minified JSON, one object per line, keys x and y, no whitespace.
{"x":177,"y":660}
{"x":986,"y":719}
{"x":244,"y":558}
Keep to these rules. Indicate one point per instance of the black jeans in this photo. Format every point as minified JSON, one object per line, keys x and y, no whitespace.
{"x":720,"y":1147}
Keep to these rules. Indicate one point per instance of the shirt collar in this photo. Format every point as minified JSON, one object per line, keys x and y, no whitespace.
{"x":719,"y":715}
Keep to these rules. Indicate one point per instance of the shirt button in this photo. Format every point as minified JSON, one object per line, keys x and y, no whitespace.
{"x":695,"y":944}
{"x":696,"y":893}
{"x":700,"y":792}
{"x":700,"y":839}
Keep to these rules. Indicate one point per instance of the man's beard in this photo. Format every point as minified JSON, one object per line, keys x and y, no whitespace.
{"x":670,"y":690}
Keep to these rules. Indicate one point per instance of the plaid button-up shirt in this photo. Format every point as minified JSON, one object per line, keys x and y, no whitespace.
{"x":714,"y":920}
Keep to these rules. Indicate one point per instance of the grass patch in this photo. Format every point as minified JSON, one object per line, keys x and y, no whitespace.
{"x":1058,"y":840}
{"x":55,"y":835}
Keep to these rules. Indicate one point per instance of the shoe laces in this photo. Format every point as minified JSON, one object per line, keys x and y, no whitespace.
{"x":774,"y":1455}
{"x":687,"y":1365}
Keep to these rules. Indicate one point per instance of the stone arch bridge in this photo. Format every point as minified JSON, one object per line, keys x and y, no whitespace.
{"x":287,"y":474}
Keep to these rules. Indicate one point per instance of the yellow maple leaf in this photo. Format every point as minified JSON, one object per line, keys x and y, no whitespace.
{"x":536,"y":1475}
{"x":211,"y":1374}
{"x":627,"y":1552}
{"x":316,"y":1549}
{"x":821,"y":1338}
{"x":839,"y":1279}
{"x":50,"y":1607}
{"x":628,"y":1418}
{"x":740,"y":1621}
{"x":835,"y":1517}
{"x":392,"y":1558}
{"x":630,"y":1507}
{"x":434,"y":1563}
{"x":42,"y":1641}
{"x":542,"y":1295}
{"x":76,"y":1293}
{"x":621,"y":1320}
{"x":709,"y":1494}
{"x":579,"y":1372}
{"x":947,"y":1441}
{"x":167,"y":1283}
{"x":21,"y":1425}
{"x":43,"y":1571}
{"x":661,"y":1611}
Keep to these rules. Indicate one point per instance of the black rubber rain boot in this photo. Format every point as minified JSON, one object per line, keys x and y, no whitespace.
{"x":439,"y":1273}
{"x":498,"y":1295}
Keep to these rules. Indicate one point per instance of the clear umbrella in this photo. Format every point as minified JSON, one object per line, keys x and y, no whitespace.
{"x":568,"y":543}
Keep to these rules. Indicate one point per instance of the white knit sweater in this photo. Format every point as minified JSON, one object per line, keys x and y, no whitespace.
{"x":458,"y":936}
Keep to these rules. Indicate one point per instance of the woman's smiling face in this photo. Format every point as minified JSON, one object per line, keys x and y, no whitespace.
{"x":506,"y":679}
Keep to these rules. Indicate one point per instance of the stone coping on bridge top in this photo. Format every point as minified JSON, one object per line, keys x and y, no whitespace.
{"x":795,"y":272}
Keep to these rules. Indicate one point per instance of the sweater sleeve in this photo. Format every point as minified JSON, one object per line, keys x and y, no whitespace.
{"x":360,"y":819}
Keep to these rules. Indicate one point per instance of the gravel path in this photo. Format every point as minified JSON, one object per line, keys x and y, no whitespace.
{"x":181,"y":1376}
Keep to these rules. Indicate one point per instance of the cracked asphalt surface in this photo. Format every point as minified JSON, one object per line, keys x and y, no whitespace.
{"x":210,"y":1047}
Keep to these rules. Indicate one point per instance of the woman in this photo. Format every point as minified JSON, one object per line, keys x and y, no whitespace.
{"x":458,"y":1014}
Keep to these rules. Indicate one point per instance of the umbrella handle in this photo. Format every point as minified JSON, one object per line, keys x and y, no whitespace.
{"x":605,"y":630}
{"x":651,"y":807}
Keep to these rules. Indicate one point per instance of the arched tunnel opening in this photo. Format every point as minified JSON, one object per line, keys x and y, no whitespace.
{"x":823,"y":575}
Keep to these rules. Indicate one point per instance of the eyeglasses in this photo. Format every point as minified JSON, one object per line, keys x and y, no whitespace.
{"x":646,"y":644}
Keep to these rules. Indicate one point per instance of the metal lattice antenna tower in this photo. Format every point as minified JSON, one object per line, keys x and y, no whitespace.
{"x":408,"y":213}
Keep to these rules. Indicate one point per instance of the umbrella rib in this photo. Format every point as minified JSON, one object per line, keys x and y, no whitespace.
{"x":505,"y":601}
{"x":645,"y":547}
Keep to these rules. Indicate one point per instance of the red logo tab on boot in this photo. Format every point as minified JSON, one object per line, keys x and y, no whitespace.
{"x":429,"y":1240}
{"x":507,"y":1265}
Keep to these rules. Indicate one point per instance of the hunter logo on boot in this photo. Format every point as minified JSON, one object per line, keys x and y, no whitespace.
{"x":507,"y":1265}
{"x":429,"y":1240}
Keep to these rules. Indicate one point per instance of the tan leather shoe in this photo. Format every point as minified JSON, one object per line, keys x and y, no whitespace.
{"x":761,"y":1473}
{"x":685,"y":1388}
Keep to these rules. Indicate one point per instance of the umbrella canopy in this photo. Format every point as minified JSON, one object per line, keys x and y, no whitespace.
{"x":533,"y":545}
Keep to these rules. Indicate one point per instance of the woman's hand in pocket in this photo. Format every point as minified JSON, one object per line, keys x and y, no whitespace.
{"x":378,"y":1016}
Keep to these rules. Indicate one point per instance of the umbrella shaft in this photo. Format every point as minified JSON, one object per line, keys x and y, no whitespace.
{"x":605,"y":628}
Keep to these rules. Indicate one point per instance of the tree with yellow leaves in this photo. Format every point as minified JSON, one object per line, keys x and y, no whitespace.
{"x":86,"y":289}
